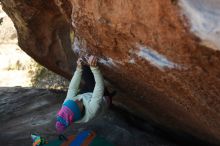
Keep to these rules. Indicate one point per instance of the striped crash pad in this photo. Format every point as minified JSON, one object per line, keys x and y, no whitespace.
{"x":85,"y":138}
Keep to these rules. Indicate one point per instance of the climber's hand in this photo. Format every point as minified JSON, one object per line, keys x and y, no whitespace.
{"x":92,"y":61}
{"x":79,"y":62}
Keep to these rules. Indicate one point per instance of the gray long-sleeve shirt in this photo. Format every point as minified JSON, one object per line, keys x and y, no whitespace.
{"x":93,"y":102}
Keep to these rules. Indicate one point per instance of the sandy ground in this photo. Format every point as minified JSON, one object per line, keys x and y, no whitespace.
{"x":11,"y":56}
{"x":17,"y":68}
{"x":12,"y":72}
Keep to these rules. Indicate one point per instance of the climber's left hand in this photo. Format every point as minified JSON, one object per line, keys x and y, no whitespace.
{"x":92,"y":61}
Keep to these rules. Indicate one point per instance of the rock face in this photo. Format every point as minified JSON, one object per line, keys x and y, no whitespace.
{"x":151,"y":50}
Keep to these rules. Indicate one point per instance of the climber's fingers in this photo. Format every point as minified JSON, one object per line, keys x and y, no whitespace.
{"x":92,"y":61}
{"x":79,"y":62}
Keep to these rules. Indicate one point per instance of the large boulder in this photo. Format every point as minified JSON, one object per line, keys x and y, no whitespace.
{"x":163,"y":54}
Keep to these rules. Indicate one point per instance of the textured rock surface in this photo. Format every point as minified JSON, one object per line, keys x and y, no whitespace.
{"x":146,"y":50}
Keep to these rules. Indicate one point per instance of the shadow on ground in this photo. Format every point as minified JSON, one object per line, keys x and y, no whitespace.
{"x":26,"y":110}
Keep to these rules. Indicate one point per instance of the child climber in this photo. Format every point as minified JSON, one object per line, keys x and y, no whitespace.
{"x":83,"y":107}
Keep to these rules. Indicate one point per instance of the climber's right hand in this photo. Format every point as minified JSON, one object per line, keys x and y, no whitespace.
{"x":79,"y":62}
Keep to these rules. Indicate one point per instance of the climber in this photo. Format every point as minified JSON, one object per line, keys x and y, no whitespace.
{"x":83,"y":107}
